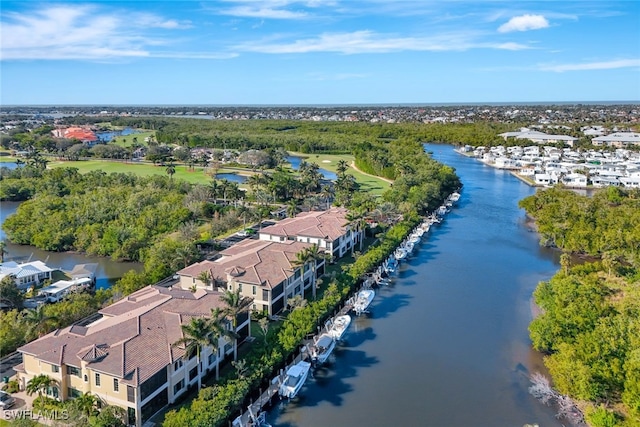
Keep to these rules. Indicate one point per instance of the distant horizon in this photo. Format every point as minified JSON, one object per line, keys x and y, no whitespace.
{"x":383,"y":104}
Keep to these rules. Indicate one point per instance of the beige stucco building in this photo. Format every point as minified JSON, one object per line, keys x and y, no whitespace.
{"x":127,"y":358}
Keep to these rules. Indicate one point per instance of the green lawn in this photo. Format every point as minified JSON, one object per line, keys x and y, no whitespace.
{"x":195,"y":176}
{"x":127,"y":140}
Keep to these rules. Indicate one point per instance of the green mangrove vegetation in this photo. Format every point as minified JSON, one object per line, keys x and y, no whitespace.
{"x":589,"y":327}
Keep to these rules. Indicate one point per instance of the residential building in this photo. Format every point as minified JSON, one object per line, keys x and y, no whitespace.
{"x":539,"y":137}
{"x":617,"y":139}
{"x":26,"y":274}
{"x":328,"y":229}
{"x":263,"y":270}
{"x":127,"y":358}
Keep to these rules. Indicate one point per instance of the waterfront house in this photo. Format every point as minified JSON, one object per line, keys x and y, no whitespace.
{"x":127,"y":358}
{"x":26,"y":274}
{"x":329,"y":229}
{"x":263,"y":270}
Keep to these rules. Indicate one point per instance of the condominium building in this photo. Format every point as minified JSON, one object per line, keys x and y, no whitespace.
{"x":127,"y":357}
{"x":328,"y":229}
{"x":262,"y":270}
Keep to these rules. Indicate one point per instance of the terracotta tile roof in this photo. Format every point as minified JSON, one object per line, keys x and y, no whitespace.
{"x":256,"y":262}
{"x":328,"y":225}
{"x":79,"y":133}
{"x":134,"y":339}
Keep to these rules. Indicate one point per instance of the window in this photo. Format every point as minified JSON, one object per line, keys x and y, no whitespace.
{"x":72,"y":370}
{"x":116,"y":385}
{"x":193,"y":373}
{"x":240,"y":287}
{"x":97,"y":380}
{"x":73,"y":393}
{"x":265,"y":295}
{"x":254,"y":290}
{"x":131,"y":394}
{"x":212,"y":358}
{"x":55,"y":368}
{"x":178,"y":387}
{"x":177,"y":365}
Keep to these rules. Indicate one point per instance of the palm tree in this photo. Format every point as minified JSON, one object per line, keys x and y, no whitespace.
{"x":206,"y":278}
{"x":196,"y":334}
{"x":236,"y":304}
{"x":3,"y":250}
{"x":342,"y":167}
{"x":292,"y":208}
{"x":313,"y":255}
{"x":86,"y":404}
{"x":39,"y":323}
{"x":218,"y":327}
{"x":171,"y":169}
{"x":38,"y":384}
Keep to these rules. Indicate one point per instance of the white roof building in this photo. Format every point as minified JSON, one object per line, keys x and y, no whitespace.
{"x":618,"y":139}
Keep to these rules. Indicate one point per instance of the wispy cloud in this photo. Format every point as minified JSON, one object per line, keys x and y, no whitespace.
{"x":524,"y":23}
{"x":272,"y":9}
{"x":371,"y":42}
{"x":81,"y":32}
{"x":604,"y":65}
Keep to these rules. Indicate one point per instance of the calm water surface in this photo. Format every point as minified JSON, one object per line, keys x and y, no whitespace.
{"x":295,"y":161}
{"x":108,"y":271}
{"x":447,"y":343}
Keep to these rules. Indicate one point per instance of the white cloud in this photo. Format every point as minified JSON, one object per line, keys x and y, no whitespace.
{"x":524,"y":23}
{"x":370,"y":42}
{"x":605,"y":65}
{"x":273,"y":9}
{"x":80,"y":32}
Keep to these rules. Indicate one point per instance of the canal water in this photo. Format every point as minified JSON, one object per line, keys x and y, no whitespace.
{"x":447,"y":343}
{"x":107,"y":273}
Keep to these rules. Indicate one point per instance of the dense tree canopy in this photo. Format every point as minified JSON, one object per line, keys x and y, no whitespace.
{"x":590,"y":321}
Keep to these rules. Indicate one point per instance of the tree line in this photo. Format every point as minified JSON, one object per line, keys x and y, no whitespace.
{"x":589,"y":327}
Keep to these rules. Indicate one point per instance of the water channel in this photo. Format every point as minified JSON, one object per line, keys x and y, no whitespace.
{"x":447,"y":343}
{"x":295,"y":161}
{"x":107,"y":273}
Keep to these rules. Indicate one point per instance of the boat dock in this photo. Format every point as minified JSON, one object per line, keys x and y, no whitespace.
{"x":250,"y":416}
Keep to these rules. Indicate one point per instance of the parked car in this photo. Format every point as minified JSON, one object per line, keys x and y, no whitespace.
{"x":6,"y":400}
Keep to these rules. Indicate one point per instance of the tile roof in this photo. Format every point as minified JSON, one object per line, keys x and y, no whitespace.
{"x":328,"y":225}
{"x":257,"y":262}
{"x":133,"y":340}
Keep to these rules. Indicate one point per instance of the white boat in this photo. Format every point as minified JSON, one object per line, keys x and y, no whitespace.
{"x":294,"y":379}
{"x":339,"y":325}
{"x":322,"y":348}
{"x":363,"y":300}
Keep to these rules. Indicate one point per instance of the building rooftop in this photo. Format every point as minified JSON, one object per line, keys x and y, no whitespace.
{"x":257,"y":262}
{"x":134,"y":338}
{"x":328,"y":225}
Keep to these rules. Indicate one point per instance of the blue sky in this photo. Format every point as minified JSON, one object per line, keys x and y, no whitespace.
{"x":318,"y":52}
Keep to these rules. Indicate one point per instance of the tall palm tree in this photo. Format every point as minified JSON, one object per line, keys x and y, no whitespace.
{"x":342,"y":167}
{"x":196,"y":334}
{"x":218,"y":327}
{"x":39,"y":323}
{"x":236,"y":304}
{"x":171,"y":169}
{"x":3,"y":250}
{"x":39,"y":383}
{"x":314,"y":254}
